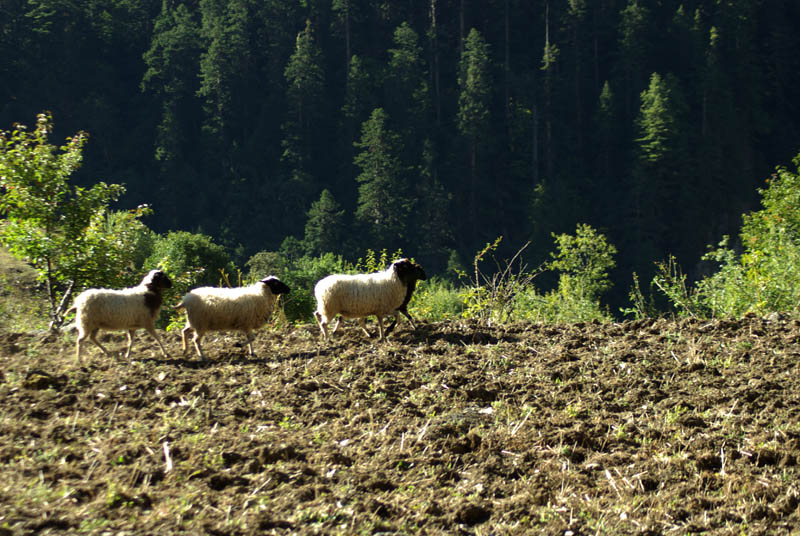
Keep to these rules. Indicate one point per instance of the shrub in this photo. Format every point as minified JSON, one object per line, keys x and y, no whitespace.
{"x":191,"y":260}
{"x":765,"y":277}
{"x":437,"y":299}
{"x":300,"y":275}
{"x":582,"y":261}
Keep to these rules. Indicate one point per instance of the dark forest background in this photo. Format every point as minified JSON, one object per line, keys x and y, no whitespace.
{"x":433,"y":126}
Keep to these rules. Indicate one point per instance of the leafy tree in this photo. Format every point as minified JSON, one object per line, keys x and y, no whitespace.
{"x":584,"y":260}
{"x":383,"y":201}
{"x":66,"y":233}
{"x":324,"y":226}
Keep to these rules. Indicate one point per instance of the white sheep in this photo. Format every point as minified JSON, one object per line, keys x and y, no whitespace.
{"x":126,"y":309}
{"x":238,"y":309}
{"x":362,"y":295}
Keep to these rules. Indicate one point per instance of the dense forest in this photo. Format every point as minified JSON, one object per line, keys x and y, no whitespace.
{"x":433,"y":126}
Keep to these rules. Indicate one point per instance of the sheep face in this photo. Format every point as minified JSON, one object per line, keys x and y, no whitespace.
{"x":276,"y":285}
{"x":155,"y":281}
{"x":408,"y":272}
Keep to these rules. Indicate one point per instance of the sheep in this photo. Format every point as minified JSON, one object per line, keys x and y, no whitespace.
{"x":419,"y":274}
{"x":361,"y":295}
{"x":127,"y":309}
{"x":220,"y":309}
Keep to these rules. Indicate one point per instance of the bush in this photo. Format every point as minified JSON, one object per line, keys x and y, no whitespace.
{"x":437,"y":299}
{"x":191,"y":261}
{"x":300,"y":275}
{"x":765,"y":277}
{"x":582,"y":261}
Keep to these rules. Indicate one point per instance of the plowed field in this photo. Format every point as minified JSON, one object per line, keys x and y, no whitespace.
{"x":646,"y":427}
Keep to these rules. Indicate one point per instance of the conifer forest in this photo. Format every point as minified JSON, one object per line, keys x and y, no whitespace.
{"x":432,"y":126}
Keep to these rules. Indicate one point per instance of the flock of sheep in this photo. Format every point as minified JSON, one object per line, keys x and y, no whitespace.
{"x":245,"y":308}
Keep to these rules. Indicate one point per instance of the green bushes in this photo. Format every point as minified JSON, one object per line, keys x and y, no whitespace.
{"x":191,"y":260}
{"x":764,"y":277}
{"x":300,"y":275}
{"x":581,"y":262}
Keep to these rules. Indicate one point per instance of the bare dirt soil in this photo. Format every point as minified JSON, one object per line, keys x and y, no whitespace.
{"x":642,"y":427}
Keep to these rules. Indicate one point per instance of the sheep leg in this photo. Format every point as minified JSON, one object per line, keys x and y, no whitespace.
{"x":411,"y":320}
{"x":380,"y":327}
{"x":250,"y":337}
{"x":184,"y":331}
{"x":323,"y":324}
{"x":338,"y":319}
{"x":152,"y":331}
{"x":196,"y":341}
{"x":93,"y":337}
{"x":363,"y":323}
{"x":78,"y":348}
{"x":130,"y":333}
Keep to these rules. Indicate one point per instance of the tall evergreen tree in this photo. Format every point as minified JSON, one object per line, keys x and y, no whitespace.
{"x":359,"y":100}
{"x":172,"y":64}
{"x":634,"y":40}
{"x":406,"y":82}
{"x":171,"y":81}
{"x":407,"y":93}
{"x":384,"y":203}
{"x":305,"y":84}
{"x":223,"y":68}
{"x":661,"y":189}
{"x":324,"y":226}
{"x":475,"y":86}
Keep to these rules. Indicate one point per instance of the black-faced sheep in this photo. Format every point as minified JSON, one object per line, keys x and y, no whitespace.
{"x":126,"y":309}
{"x":230,"y":309}
{"x":362,"y":295}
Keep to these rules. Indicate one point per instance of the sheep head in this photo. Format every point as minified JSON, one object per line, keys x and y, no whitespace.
{"x":408,"y":272}
{"x":276,"y":285}
{"x":156,"y":280}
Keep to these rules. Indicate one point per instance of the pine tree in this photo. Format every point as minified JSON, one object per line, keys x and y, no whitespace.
{"x":634,"y":51}
{"x":305,"y":83}
{"x":406,"y":82}
{"x":662,"y":186}
{"x":475,"y":86}
{"x":171,"y":76}
{"x":324,"y":226}
{"x":383,"y":200}
{"x":223,"y":68}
